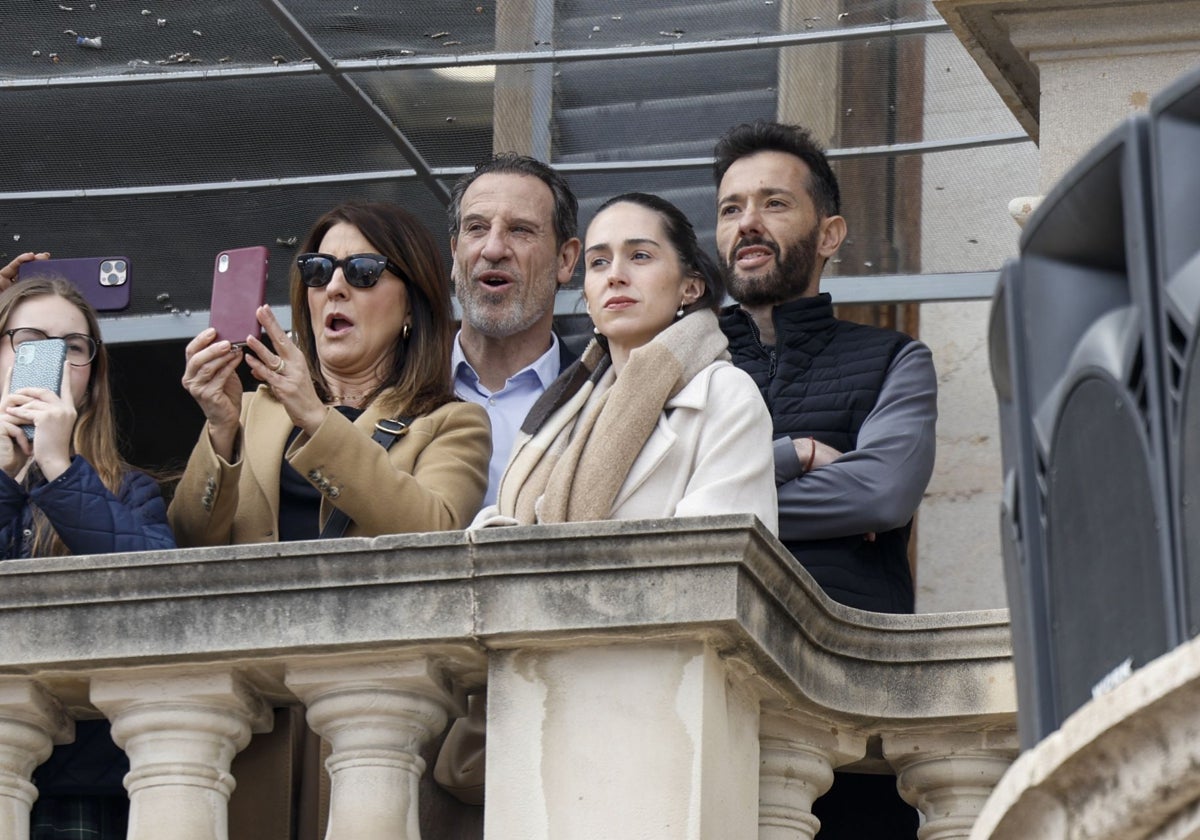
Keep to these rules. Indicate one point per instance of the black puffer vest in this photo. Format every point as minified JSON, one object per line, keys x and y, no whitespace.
{"x":822,"y":379}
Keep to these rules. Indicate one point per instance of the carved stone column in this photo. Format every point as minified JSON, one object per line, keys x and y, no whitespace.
{"x":376,"y":716}
{"x":796,"y":761}
{"x":31,"y":722}
{"x":948,"y":777}
{"x":181,"y":731}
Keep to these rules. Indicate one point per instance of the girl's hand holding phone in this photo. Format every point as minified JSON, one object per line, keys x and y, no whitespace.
{"x":14,"y":446}
{"x":53,"y":419}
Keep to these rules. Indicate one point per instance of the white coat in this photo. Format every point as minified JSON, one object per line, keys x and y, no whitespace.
{"x":709,"y":454}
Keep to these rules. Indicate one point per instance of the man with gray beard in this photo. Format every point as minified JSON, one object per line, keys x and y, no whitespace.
{"x":853,"y":407}
{"x":512,"y":233}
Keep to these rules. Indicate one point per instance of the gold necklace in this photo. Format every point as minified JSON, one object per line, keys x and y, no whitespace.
{"x":352,"y":399}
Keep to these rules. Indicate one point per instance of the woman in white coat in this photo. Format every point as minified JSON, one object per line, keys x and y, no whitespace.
{"x":653,"y":420}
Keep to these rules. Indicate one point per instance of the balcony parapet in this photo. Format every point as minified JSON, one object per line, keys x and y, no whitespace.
{"x":1122,"y":766}
{"x":632,"y":669}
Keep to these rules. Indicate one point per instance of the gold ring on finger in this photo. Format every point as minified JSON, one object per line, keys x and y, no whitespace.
{"x":279,"y":368}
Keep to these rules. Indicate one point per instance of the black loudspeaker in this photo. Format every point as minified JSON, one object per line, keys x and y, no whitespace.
{"x":1175,"y":159}
{"x":1088,"y":542}
{"x":1024,"y":559}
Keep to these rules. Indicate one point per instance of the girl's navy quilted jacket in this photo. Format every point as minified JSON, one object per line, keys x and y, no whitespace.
{"x":88,"y":517}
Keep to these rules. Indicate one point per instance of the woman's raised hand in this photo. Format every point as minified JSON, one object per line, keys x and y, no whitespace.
{"x":286,"y":370}
{"x":210,"y":376}
{"x":8,"y":274}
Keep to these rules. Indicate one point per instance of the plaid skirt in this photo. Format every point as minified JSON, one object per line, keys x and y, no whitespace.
{"x":79,"y":818}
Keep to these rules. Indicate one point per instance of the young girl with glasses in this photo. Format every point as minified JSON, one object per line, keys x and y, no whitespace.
{"x":67,"y":491}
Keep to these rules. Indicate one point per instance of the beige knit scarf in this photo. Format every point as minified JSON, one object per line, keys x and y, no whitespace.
{"x":573,"y":456}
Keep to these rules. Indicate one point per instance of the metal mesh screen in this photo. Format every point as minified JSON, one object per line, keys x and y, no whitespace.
{"x":167,"y":131}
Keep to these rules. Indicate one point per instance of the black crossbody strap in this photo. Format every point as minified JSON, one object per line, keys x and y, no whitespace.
{"x":387,"y":432}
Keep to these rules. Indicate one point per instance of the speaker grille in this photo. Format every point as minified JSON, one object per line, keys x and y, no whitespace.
{"x":1106,"y":588}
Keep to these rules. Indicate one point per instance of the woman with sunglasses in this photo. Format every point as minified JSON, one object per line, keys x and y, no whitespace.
{"x":67,"y":491}
{"x":355,"y":428}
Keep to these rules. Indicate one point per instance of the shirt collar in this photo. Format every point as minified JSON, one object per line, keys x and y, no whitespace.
{"x":545,"y":367}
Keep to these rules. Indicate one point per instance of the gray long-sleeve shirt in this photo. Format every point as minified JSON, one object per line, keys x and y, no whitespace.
{"x":879,"y":485}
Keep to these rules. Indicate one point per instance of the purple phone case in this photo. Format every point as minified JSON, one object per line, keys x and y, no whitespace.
{"x":239,"y":287}
{"x":105,"y":281}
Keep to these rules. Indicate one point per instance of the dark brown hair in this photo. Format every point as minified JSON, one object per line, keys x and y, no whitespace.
{"x":566,"y":207}
{"x":417,"y":378}
{"x":695,"y":260}
{"x":767,"y":136}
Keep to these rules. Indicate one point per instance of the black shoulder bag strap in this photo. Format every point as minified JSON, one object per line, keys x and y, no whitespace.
{"x":387,"y":432}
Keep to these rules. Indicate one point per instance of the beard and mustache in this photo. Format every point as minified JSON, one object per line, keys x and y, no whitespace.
{"x":788,"y":279}
{"x":498,"y":315}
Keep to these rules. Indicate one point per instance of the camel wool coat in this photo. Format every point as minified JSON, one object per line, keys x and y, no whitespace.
{"x":432,"y":479}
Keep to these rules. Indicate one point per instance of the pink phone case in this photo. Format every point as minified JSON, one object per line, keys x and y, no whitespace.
{"x":239,"y":287}
{"x":104,"y":281}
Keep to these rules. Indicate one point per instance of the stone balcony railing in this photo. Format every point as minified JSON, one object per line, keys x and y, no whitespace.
{"x":664,"y":679}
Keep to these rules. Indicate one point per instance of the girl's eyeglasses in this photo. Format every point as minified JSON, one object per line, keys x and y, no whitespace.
{"x":81,"y":349}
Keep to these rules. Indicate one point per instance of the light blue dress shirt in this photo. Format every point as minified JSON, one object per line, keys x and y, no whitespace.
{"x":507,"y":407}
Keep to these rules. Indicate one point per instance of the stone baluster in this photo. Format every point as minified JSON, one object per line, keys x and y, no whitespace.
{"x":181,"y":731}
{"x":376,"y":717}
{"x":31,"y":722}
{"x":796,"y":761}
{"x":948,"y":776}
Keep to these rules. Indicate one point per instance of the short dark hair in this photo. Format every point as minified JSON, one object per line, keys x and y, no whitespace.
{"x":418,"y":378}
{"x":694,"y":259}
{"x":767,"y":136}
{"x":566,"y":206}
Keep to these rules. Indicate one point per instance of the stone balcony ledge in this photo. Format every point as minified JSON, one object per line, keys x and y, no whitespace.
{"x":714,"y":606}
{"x":723,"y":577}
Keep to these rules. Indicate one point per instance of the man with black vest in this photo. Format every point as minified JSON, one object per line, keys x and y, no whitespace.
{"x":854,"y":406}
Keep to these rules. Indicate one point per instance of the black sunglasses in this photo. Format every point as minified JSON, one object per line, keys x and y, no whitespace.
{"x":361,"y":270}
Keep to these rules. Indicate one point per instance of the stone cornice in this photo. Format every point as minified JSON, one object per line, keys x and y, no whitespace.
{"x":1008,"y":38}
{"x":721,"y":579}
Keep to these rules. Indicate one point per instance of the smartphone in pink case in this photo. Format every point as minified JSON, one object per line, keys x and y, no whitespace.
{"x":239,"y":288}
